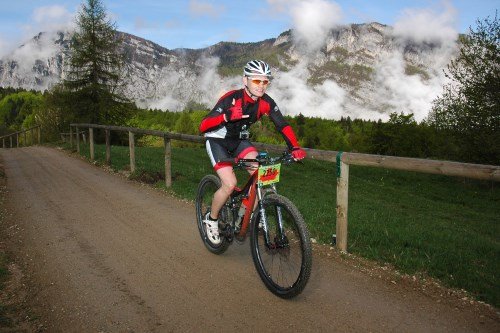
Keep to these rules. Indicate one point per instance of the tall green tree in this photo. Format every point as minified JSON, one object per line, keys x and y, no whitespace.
{"x":95,"y":69}
{"x":470,"y":105}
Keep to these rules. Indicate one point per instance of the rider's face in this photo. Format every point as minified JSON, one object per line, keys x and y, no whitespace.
{"x":256,"y":84}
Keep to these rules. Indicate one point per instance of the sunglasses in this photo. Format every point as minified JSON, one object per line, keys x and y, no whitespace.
{"x":258,"y":82}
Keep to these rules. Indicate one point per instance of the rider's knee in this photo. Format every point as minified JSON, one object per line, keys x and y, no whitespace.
{"x":229,"y":186}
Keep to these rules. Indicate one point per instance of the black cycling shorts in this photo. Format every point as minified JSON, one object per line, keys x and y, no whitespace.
{"x":218,"y":149}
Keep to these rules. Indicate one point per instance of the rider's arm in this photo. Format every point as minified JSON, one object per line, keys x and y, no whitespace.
{"x":287,"y":132}
{"x":283,"y":127}
{"x":216,"y":117}
{"x":213,"y":120}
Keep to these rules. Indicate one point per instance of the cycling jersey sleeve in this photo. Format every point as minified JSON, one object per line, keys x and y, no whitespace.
{"x":283,"y":126}
{"x":215,"y":118}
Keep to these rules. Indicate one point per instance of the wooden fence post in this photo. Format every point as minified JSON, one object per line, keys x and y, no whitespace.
{"x":131,"y":145}
{"x":91,"y":141}
{"x":108,"y":147}
{"x":39,"y":135}
{"x":78,"y":140}
{"x":71,"y":137}
{"x":17,"y":140}
{"x":32,"y":136}
{"x":168,"y":162}
{"x":10,"y":137}
{"x":342,"y":200}
{"x":3,"y":142}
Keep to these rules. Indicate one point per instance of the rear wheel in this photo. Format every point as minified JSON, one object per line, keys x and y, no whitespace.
{"x":206,"y":189}
{"x":284,"y":264}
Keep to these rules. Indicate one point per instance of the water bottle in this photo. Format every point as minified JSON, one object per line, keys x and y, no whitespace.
{"x":241,"y":213}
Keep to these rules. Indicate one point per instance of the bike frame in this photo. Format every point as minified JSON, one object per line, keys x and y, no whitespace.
{"x":253,"y":191}
{"x":249,"y":192}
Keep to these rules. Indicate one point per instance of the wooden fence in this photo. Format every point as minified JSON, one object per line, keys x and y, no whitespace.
{"x":131,"y":134}
{"x":14,"y":138}
{"x":343,"y":160}
{"x":65,"y":137}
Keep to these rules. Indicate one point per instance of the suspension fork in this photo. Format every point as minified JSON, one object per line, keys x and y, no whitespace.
{"x":263,"y":218}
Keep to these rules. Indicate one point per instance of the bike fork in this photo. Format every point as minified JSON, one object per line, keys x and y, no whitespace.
{"x":263,"y":219}
{"x":278,"y":214}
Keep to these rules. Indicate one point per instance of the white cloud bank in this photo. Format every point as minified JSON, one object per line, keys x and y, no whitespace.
{"x":395,"y":91}
{"x":412,"y":93}
{"x":312,"y":22}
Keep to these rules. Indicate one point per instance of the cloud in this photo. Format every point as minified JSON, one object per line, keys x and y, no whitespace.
{"x":428,"y":25}
{"x":50,"y":18}
{"x":50,"y":14}
{"x":43,"y":49}
{"x":200,"y":8}
{"x":206,"y":87}
{"x":47,"y":19}
{"x":171,"y":24}
{"x":294,"y":95}
{"x":404,"y":93}
{"x":29,"y":54}
{"x":6,"y":46}
{"x":280,"y":6}
{"x":141,"y":24}
{"x":312,"y":20}
{"x":394,"y":89}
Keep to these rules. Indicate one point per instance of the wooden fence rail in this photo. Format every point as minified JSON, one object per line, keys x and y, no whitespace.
{"x":25,"y":141}
{"x":66,"y":136}
{"x":343,"y":160}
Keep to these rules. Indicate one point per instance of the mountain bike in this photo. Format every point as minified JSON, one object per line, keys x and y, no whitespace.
{"x":279,"y":239}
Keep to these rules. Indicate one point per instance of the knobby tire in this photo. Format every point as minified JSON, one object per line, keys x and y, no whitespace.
{"x":206,"y":189}
{"x":284,"y":270}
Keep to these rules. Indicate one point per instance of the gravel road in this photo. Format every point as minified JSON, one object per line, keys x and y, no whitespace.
{"x":96,"y":252}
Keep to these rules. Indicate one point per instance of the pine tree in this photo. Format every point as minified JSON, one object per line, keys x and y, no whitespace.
{"x":95,"y":69}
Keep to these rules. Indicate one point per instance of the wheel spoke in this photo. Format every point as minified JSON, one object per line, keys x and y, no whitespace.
{"x":284,"y":266}
{"x":206,"y":189}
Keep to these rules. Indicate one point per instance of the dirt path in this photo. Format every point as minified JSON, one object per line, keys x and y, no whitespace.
{"x":99,"y":253}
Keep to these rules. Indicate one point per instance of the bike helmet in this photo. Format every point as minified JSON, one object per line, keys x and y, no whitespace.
{"x":258,"y":68}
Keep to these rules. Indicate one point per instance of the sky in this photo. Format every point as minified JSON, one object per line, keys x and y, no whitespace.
{"x":201,"y":23}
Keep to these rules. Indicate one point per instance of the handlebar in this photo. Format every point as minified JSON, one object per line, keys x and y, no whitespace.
{"x":261,"y":159}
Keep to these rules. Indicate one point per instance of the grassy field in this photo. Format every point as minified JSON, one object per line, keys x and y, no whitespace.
{"x":443,"y":227}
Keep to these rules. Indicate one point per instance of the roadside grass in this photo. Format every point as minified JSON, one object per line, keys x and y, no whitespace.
{"x":443,"y":227}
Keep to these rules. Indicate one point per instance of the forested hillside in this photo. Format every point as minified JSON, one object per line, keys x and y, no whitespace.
{"x":400,"y":136}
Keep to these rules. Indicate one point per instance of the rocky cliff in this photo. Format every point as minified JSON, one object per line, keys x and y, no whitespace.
{"x":362,"y":70}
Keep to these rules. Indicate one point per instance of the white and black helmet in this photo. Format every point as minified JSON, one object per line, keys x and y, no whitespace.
{"x":257,"y":68}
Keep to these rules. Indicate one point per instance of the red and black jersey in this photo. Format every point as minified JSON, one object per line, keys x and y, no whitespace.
{"x":214,"y":125}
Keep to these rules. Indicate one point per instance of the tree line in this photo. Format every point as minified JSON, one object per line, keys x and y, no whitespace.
{"x":464,"y":124}
{"x":401,"y":135}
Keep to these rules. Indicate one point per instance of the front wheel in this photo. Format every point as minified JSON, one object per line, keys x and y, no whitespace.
{"x":284,"y":262}
{"x":206,"y":189}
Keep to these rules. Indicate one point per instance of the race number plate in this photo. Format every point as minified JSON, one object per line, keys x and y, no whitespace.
{"x":269,"y":174}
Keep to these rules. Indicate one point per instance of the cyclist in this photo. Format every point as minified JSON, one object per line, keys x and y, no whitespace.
{"x":226,"y":129}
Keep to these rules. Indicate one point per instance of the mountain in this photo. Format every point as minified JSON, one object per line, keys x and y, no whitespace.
{"x":361,"y":70}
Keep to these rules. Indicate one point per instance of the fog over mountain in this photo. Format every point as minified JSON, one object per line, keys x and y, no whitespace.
{"x":321,"y":68}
